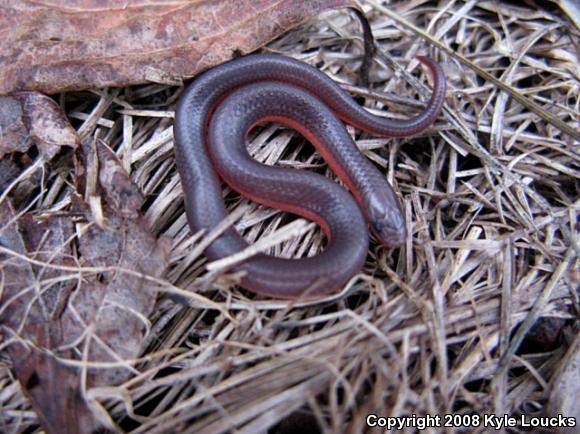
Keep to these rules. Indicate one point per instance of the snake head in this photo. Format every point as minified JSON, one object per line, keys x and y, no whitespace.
{"x":386,"y":218}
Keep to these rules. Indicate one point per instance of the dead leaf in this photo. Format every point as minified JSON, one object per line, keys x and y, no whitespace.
{"x":31,"y":301}
{"x":54,"y":388}
{"x":9,"y":170}
{"x":28,"y":118}
{"x":99,"y":170}
{"x":33,"y":295}
{"x":56,"y":46}
{"x":117,"y":302}
{"x":122,"y":194}
{"x":78,"y":291}
{"x":14,"y":136}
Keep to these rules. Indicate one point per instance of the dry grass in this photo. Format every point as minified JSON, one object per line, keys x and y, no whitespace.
{"x":447,"y":324}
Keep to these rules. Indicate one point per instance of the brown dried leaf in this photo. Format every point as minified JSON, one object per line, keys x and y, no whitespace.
{"x":8,"y":171}
{"x":32,"y":118}
{"x":116,"y":302}
{"x":122,"y":194}
{"x":52,"y":47}
{"x":54,"y":389}
{"x":32,"y":299}
{"x":98,"y":164}
{"x":78,"y":292}
{"x":33,"y":295}
{"x":14,"y":135}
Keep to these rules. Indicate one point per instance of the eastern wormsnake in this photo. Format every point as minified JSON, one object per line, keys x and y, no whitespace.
{"x":213,"y":118}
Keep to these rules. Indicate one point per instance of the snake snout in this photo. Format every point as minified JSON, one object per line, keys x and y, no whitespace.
{"x":390,"y":230}
{"x":385,"y":218}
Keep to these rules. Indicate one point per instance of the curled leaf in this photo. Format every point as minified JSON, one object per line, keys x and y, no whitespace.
{"x":28,"y":118}
{"x":51,"y":47}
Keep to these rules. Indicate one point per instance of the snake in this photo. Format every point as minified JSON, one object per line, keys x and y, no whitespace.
{"x":213,"y":118}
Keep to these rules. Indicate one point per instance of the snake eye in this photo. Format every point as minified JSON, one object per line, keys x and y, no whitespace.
{"x":378,"y":226}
